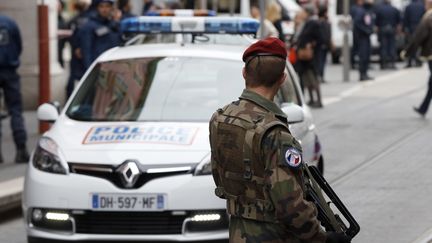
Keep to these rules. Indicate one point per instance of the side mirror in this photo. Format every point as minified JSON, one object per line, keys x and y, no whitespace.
{"x":294,"y":112}
{"x":47,"y":112}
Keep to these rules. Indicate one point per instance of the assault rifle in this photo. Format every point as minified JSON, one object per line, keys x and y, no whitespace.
{"x":331,"y":221}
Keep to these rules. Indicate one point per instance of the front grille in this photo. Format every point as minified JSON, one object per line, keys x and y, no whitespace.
{"x":108,"y":172}
{"x":129,"y":223}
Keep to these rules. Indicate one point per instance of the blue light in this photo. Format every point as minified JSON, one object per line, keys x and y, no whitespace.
{"x":220,"y":26}
{"x":152,"y":13}
{"x":145,"y":25}
{"x":211,"y":13}
{"x":231,"y":25}
{"x":248,"y":26}
{"x":215,"y":25}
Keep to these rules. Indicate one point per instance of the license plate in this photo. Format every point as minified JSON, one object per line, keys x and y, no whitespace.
{"x":128,"y":202}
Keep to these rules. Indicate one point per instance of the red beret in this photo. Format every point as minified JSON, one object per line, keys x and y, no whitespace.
{"x":270,"y":46}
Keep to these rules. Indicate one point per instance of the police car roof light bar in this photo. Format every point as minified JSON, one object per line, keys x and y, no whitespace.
{"x":182,"y":12}
{"x":171,"y":25}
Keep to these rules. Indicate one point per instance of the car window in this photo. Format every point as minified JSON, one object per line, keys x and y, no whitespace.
{"x":157,"y":89}
{"x":161,"y":89}
{"x":288,"y":92}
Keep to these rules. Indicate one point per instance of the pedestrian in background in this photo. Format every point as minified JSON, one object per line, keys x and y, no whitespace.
{"x":411,"y":19}
{"x":261,"y":179}
{"x":326,"y":44}
{"x":76,"y":65}
{"x":125,"y":7}
{"x":310,"y":40}
{"x":388,"y":20}
{"x":364,"y":27}
{"x":100,"y":33}
{"x":61,"y":25}
{"x":269,"y":30}
{"x":274,"y":14}
{"x":174,"y":5}
{"x":355,"y":10}
{"x":422,"y":39}
{"x":10,"y":51}
{"x":148,"y":5}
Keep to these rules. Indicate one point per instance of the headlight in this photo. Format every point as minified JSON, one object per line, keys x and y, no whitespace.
{"x":204,"y":167}
{"x":47,"y":157}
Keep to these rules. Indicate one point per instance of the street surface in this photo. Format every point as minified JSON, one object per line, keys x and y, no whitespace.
{"x":377,"y":155}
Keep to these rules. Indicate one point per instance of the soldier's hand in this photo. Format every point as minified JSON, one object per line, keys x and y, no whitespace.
{"x":333,"y":237}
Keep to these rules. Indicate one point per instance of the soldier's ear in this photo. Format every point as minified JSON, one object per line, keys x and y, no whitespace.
{"x":244,"y":72}
{"x":282,"y":78}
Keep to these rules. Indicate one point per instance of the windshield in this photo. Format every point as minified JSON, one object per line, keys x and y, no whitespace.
{"x":160,"y":89}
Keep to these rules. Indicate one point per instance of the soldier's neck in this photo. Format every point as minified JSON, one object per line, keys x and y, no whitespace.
{"x":265,"y":92}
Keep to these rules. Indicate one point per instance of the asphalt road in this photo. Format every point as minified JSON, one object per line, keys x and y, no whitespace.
{"x":378,"y":157}
{"x":377,"y":154}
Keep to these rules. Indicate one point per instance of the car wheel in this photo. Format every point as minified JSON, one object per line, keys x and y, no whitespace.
{"x":321,"y":165}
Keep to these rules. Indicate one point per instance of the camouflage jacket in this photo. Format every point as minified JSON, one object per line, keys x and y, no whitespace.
{"x":295,"y":217}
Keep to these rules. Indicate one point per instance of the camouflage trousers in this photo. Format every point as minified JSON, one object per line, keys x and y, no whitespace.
{"x":250,"y":231}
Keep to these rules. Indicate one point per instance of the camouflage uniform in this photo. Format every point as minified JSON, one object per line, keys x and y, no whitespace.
{"x":265,"y":199}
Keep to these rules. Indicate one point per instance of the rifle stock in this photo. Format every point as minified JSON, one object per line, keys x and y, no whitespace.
{"x":315,"y":185}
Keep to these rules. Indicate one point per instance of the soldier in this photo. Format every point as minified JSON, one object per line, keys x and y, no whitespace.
{"x":100,"y":33}
{"x":257,"y":163}
{"x":388,"y":19}
{"x":364,"y":27}
{"x":10,"y":50}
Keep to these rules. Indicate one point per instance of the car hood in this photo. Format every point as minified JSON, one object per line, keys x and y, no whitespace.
{"x":159,"y":143}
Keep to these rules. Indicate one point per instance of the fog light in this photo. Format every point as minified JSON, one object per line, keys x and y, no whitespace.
{"x":37,"y":215}
{"x":206,"y":217}
{"x":57,"y":216}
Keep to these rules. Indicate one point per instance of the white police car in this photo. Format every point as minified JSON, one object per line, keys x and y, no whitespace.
{"x":128,"y":157}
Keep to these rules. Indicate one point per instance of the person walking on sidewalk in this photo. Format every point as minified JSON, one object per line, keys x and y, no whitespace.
{"x":423,"y":39}
{"x":388,"y":19}
{"x":326,"y":44}
{"x":411,"y":19}
{"x":10,"y":50}
{"x":310,"y":40}
{"x":364,"y":27}
{"x":354,"y":11}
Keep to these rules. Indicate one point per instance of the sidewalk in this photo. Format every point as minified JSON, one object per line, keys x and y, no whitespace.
{"x":336,"y":88}
{"x":11,"y":174}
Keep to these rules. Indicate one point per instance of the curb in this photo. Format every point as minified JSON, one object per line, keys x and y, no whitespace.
{"x":10,"y":194}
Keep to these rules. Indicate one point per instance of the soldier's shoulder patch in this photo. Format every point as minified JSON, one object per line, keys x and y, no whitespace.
{"x":292,"y":157}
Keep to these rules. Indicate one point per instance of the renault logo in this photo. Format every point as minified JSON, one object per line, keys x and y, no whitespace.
{"x":129,"y":173}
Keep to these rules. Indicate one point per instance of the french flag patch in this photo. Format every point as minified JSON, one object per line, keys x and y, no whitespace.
{"x":293,"y":157}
